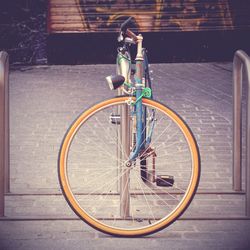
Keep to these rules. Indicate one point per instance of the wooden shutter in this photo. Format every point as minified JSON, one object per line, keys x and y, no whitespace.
{"x":149,"y":15}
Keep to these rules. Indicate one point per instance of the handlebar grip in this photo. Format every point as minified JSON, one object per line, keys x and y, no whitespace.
{"x":131,"y":34}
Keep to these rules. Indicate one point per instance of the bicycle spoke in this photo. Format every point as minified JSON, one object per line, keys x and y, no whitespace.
{"x":110,"y":136}
{"x":145,"y":196}
{"x":165,"y":191}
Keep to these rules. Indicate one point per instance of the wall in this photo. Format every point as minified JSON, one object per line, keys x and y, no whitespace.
{"x":23,"y":30}
{"x":148,"y":15}
{"x":24,"y":34}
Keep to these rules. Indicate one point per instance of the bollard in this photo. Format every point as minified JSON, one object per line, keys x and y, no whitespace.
{"x":4,"y":127}
{"x":241,"y":59}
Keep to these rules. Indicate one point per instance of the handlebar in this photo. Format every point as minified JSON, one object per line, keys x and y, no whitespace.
{"x":125,"y":24}
{"x":131,"y":34}
{"x":128,"y":32}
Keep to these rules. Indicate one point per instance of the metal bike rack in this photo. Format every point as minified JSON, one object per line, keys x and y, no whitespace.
{"x":241,"y":59}
{"x":124,"y":131}
{"x":4,"y":128}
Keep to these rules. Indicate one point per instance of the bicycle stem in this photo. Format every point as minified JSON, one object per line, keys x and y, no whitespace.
{"x":139,"y":55}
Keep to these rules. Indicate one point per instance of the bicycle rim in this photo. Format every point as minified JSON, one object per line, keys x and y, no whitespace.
{"x":90,"y":171}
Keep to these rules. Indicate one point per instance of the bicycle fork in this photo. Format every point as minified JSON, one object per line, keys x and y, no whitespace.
{"x":138,"y":106}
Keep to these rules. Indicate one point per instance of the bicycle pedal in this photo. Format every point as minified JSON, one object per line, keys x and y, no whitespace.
{"x":115,"y":119}
{"x":165,"y":180}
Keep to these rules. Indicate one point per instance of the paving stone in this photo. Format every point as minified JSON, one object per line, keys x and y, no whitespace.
{"x":76,"y":235}
{"x":43,"y":103}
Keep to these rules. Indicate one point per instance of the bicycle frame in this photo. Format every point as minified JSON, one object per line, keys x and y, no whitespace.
{"x":139,"y":85}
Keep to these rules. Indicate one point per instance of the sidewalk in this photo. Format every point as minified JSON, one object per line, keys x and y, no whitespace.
{"x":45,"y":100}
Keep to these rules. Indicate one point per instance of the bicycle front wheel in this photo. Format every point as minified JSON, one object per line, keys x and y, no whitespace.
{"x":91,"y":172}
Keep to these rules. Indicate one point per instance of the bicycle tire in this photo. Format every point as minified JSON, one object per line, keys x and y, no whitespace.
{"x":89,"y":213}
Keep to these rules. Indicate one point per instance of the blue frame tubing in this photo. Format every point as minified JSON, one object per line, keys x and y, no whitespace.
{"x":138,"y":107}
{"x":140,"y":74}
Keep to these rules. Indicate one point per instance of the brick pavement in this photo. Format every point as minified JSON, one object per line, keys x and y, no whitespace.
{"x":30,"y":235}
{"x":42,"y":110}
{"x":43,"y":102}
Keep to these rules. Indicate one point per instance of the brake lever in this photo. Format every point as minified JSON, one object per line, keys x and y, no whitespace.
{"x":120,"y":37}
{"x":129,"y":40}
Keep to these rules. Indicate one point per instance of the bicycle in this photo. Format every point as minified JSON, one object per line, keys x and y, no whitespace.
{"x":129,"y":166}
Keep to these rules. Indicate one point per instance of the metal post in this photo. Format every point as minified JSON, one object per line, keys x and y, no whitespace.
{"x":123,"y":69}
{"x":6,"y":129}
{"x":125,"y":171}
{"x":241,"y":59}
{"x":237,"y":119}
{"x":4,"y":68}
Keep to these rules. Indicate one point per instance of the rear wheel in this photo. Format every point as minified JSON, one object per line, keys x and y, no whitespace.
{"x":91,"y":172}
